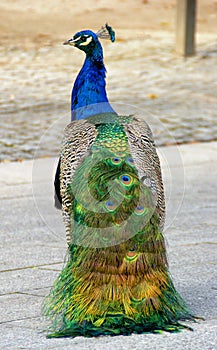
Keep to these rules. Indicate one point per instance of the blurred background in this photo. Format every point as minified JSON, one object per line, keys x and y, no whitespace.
{"x":177,"y":96}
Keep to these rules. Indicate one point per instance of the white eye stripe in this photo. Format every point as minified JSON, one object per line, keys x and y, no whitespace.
{"x":87,"y":42}
{"x":77,"y":39}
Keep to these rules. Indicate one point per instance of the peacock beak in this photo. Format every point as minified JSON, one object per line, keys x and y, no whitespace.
{"x":70,"y":42}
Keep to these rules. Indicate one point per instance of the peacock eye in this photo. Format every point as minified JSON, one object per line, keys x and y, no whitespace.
{"x":110,"y":205}
{"x":83,"y":39}
{"x":139,"y":210}
{"x":116,"y":160}
{"x":126,"y":179}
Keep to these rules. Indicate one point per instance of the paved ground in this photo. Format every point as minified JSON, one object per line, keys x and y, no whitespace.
{"x":32,"y":250}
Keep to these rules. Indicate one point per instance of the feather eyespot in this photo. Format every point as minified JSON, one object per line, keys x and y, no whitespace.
{"x":116,"y":160}
{"x":139,"y":210}
{"x":126,"y":179}
{"x":130,"y":160}
{"x":110,"y":205}
{"x":131,"y":256}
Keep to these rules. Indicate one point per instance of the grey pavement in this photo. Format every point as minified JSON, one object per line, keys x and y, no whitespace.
{"x":33,"y":248}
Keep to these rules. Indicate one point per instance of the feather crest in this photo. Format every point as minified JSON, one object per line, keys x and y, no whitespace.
{"x":106,"y":32}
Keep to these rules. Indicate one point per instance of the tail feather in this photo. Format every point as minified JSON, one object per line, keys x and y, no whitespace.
{"x":100,"y":292}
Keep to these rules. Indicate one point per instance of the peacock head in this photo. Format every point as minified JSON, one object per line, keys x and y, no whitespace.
{"x":88,"y":41}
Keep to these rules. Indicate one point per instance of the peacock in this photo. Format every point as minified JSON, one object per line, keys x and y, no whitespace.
{"x":108,"y":181}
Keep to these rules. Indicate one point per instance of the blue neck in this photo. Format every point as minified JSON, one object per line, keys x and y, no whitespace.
{"x":89,"y":94}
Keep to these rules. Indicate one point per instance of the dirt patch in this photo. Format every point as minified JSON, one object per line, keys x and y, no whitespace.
{"x":26,"y":23}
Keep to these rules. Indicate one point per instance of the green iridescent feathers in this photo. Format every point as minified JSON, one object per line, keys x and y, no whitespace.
{"x":116,"y":280}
